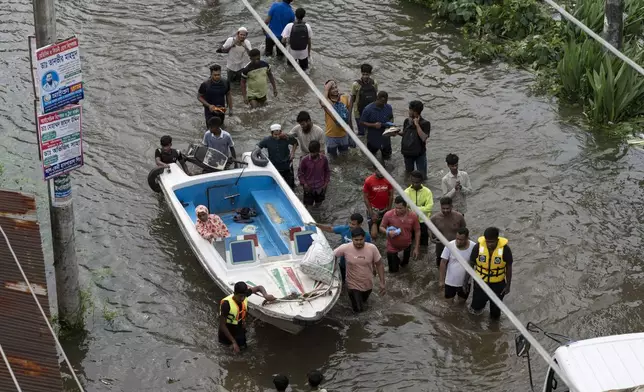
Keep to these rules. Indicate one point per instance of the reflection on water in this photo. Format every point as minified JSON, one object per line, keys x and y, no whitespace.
{"x":569,"y":201}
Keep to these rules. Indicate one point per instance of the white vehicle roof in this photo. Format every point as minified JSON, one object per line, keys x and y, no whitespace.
{"x":604,"y":364}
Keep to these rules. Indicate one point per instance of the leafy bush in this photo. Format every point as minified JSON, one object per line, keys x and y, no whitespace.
{"x":618,"y":95}
{"x":576,"y":62}
{"x":568,"y":63}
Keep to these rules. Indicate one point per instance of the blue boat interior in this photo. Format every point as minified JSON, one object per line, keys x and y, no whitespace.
{"x":276,"y":216}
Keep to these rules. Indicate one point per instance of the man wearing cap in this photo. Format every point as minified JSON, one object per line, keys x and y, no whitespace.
{"x":237,"y":48}
{"x":280,"y":152}
{"x":232,"y":314}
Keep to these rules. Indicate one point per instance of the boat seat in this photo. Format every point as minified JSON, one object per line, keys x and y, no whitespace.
{"x":242,"y":249}
{"x":300,"y":238}
{"x":277,"y":217}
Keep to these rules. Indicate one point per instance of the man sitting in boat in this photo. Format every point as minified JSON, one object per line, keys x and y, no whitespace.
{"x":232,"y":314}
{"x":210,"y":226}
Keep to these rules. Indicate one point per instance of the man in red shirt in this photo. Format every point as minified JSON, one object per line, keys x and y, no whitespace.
{"x":378,"y":195}
{"x":398,"y":225}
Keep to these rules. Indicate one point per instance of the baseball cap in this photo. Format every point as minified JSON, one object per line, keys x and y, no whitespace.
{"x":276,"y":127}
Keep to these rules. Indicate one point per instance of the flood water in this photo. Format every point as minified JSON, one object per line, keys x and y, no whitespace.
{"x":570,"y":202}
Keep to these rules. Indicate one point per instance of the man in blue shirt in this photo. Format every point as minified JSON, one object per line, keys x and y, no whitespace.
{"x":345,"y":231}
{"x":281,"y":151}
{"x":279,"y":15}
{"x":218,"y":139}
{"x":374,"y":117}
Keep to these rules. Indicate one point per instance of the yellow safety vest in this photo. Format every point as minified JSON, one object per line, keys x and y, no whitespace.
{"x":235,"y":316}
{"x":491,"y":269}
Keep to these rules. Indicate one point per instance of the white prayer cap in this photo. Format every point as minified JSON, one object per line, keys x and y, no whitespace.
{"x":242,"y":29}
{"x":276,"y":127}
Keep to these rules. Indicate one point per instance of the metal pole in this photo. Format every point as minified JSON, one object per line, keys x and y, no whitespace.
{"x":614,"y":22}
{"x":61,"y":206}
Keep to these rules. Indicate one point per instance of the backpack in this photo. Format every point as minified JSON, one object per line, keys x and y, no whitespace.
{"x":367,"y":94}
{"x":299,"y":39}
{"x":411,"y":145}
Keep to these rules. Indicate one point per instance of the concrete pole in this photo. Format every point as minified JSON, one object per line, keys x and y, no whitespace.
{"x":614,"y":22}
{"x":61,"y":209}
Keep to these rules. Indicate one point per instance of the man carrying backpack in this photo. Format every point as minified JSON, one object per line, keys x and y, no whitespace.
{"x":363,"y":92}
{"x":298,"y":36}
{"x":415,"y":133}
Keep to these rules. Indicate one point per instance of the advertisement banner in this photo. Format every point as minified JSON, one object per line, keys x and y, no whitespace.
{"x":60,"y":140}
{"x":59,"y":75}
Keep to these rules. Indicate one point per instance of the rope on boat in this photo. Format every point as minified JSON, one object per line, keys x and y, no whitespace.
{"x":492,"y":296}
{"x":309,"y":295}
{"x":51,"y":330}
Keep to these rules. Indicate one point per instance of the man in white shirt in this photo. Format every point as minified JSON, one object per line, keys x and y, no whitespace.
{"x":452,"y":273}
{"x":305,"y":132}
{"x":298,"y":36}
{"x":456,"y":184}
{"x":50,"y":84}
{"x":237,"y":48}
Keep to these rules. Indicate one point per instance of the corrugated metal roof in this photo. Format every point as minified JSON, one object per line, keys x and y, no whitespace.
{"x":24,"y":335}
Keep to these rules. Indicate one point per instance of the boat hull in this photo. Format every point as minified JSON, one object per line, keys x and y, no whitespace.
{"x":278,"y":268}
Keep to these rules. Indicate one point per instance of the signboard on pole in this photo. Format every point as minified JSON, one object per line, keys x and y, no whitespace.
{"x":60,"y":140}
{"x":59,"y":75}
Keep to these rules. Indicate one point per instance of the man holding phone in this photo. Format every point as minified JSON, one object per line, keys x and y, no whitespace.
{"x":456,"y":184}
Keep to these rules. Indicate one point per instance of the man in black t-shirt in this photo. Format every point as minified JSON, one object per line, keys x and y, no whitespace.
{"x":414,"y":134}
{"x":166,"y":155}
{"x":215,"y":95}
{"x":232,"y":314}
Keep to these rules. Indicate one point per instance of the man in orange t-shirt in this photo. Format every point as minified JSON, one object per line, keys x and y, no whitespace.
{"x":378,"y":195}
{"x":337,"y":140}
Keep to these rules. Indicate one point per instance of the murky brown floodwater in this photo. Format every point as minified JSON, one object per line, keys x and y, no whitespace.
{"x":570,"y":203}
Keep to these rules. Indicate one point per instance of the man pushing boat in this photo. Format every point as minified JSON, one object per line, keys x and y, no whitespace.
{"x":232,"y":314}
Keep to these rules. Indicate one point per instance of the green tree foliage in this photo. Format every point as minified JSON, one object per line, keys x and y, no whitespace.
{"x":568,"y":63}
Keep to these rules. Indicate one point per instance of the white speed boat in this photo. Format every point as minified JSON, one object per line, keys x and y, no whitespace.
{"x":266,"y":251}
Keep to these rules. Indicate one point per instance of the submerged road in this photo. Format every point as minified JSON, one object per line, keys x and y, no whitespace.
{"x":569,"y":201}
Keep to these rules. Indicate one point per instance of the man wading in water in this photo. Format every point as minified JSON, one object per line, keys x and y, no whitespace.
{"x":492,"y":260}
{"x":214,"y":95}
{"x":447,"y":222}
{"x":232,"y":315}
{"x":361,"y":259}
{"x":237,"y":48}
{"x":255,"y":78}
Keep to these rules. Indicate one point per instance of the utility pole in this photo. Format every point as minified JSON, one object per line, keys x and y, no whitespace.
{"x":61,"y":206}
{"x":614,"y":22}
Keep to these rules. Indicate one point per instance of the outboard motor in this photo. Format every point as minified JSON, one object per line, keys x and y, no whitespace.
{"x":209,"y":159}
